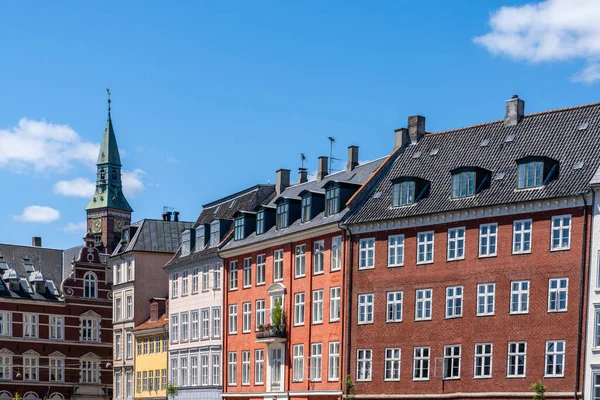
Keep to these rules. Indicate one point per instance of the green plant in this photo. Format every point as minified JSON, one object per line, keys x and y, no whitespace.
{"x":349,"y":385}
{"x":172,"y":390}
{"x":539,"y":390}
{"x":277,"y":314}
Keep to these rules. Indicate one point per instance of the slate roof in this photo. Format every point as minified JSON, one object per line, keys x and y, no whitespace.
{"x":556,"y":134}
{"x":357,"y":176}
{"x":156,"y":236}
{"x":224,"y":208}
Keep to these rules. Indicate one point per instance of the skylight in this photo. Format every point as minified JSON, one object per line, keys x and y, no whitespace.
{"x":377,"y":195}
{"x":499,"y":176}
{"x":232,"y":203}
{"x":29,"y":267}
{"x":484,"y":143}
{"x":578,"y":165}
{"x":510,"y":138}
{"x":217,"y":209}
{"x":582,"y":126}
{"x":417,"y":154}
{"x":434,"y":152}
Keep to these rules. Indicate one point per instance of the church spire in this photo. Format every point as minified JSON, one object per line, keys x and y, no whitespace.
{"x":109,"y":151}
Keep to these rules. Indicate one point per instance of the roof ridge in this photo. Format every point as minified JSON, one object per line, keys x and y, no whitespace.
{"x":524,"y":116}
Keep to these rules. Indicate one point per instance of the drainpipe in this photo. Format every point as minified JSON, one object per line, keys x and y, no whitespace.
{"x":581,"y":297}
{"x":348,"y":307}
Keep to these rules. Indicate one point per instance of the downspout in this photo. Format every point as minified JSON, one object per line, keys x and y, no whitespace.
{"x":309,"y":302}
{"x":581,"y":297}
{"x":348,"y":306}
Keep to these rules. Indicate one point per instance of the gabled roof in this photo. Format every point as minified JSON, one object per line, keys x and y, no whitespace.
{"x":569,"y":136}
{"x":163,"y":320}
{"x":156,"y":236}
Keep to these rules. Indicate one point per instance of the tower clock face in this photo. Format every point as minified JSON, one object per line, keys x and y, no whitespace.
{"x":118,"y":225}
{"x":97,"y":225}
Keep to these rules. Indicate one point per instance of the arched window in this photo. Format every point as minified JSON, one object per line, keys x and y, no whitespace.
{"x":90,"y":285}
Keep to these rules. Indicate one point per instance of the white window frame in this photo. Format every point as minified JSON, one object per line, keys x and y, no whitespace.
{"x":513,"y":356}
{"x":259,"y":367}
{"x":452,"y":357}
{"x":333,"y":363}
{"x":392,"y":358}
{"x":232,"y":368}
{"x":520,"y":232}
{"x":278,"y":266}
{"x":233,"y":316}
{"x":316,"y":362}
{"x":334,"y":304}
{"x":260,"y":269}
{"x":366,"y":253}
{"x":318,"y":298}
{"x":195,"y":279}
{"x":554,"y":294}
{"x":194,"y":324}
{"x":519,"y":292}
{"x":246,"y":317}
{"x":366,"y":308}
{"x":319,"y":257}
{"x":421,"y":363}
{"x":56,"y":367}
{"x":403,"y":194}
{"x":425,"y":247}
{"x":261,"y":313}
{"x":57,"y":327}
{"x":247,"y":272}
{"x":393,"y":306}
{"x":31,"y":368}
{"x":299,"y":302}
{"x":454,"y":301}
{"x":558,"y":232}
{"x":184,"y":283}
{"x":5,"y":323}
{"x":395,"y":251}
{"x":245,"y":368}
{"x":364,"y":365}
{"x":206,"y":277}
{"x":488,"y":240}
{"x":479,"y":360}
{"x":554,"y":355}
{"x":298,"y":363}
{"x":425,"y":300}
{"x":31,"y":325}
{"x":174,"y":285}
{"x":233,"y":275}
{"x":456,"y":243}
{"x":216,"y":322}
{"x":336,"y":253}
{"x":486,"y":297}
{"x":300,"y":261}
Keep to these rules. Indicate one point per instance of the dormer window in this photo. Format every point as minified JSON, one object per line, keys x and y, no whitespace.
{"x":186,"y":241}
{"x":404,"y":193}
{"x":305,"y":208}
{"x":260,"y":222}
{"x":463,"y":184}
{"x":215,"y":233}
{"x":332,"y":200}
{"x":283,"y":213}
{"x":200,"y":238}
{"x":535,"y":171}
{"x":238,"y":231}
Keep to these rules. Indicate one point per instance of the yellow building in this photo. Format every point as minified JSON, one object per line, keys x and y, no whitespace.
{"x":151,"y":354}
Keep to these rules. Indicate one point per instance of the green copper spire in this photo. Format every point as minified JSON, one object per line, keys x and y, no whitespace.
{"x":109,"y":188}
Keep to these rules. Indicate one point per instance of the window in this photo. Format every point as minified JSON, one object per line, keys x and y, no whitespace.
{"x":238,"y":230}
{"x":363,"y":364}
{"x":233,"y":309}
{"x":233,"y":275}
{"x":205,"y":332}
{"x":452,"y":362}
{"x":90,"y":371}
{"x":90,"y":285}
{"x":332,"y":200}
{"x":186,"y":242}
{"x":151,"y":342}
{"x":5,"y":323}
{"x":129,"y":384}
{"x":425,"y":247}
{"x":298,"y":363}
{"x":421,"y":360}
{"x":216,"y":369}
{"x":245,"y":368}
{"x":195,"y":278}
{"x":90,"y":329}
{"x":260,"y":313}
{"x":129,"y":306}
{"x":317,"y":307}
{"x":184,"y":326}
{"x":5,"y":367}
{"x":486,"y":296}
{"x":129,"y":346}
{"x":260,"y":269}
{"x":367,"y":253}
{"x":305,"y":206}
{"x":139,"y":382}
{"x":423,"y":305}
{"x":316,"y":352}
{"x":483,"y":360}
{"x":365,"y":308}
{"x":200,"y":238}
{"x":57,"y":327}
{"x":247,"y":272}
{"x":555,"y":358}
{"x":260,"y":222}
{"x":117,"y":346}
{"x":300,"y":261}
{"x":392,"y":365}
{"x":129,"y":271}
{"x":463,"y":184}
{"x":215,"y":233}
{"x":488,"y":238}
{"x":561,"y":233}
{"x":456,"y":244}
{"x":530,"y":174}
{"x":596,"y":386}
{"x":184,"y":283}
{"x":282,"y":214}
{"x":299,"y":309}
{"x":175,"y":285}
{"x":333,"y":366}
{"x":519,"y":297}
{"x":118,"y":309}
{"x":118,"y":271}
{"x":246,"y":318}
{"x":30,"y":325}
{"x":259,"y":367}
{"x":145,"y":340}
{"x":195,"y":322}
{"x":394,"y":307}
{"x":319,"y":257}
{"x":174,"y":371}
{"x":336,"y":253}
{"x":205,"y":278}
{"x":522,"y":236}
{"x":404,"y":193}
{"x":57,"y":369}
{"x":277,"y":265}
{"x":454,"y":297}
{"x":216,"y":318}
{"x":557,"y":294}
{"x":30,"y":368}
{"x":183,"y":370}
{"x":395,"y":251}
{"x":139,"y":346}
{"x":232,"y":368}
{"x":174,"y":328}
{"x":164,"y":343}
{"x":334,"y":304}
{"x":150,"y":380}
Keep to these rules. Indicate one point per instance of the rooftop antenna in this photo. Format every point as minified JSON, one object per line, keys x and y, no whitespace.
{"x":331,"y":157}
{"x":108,"y":92}
{"x":302,"y":159}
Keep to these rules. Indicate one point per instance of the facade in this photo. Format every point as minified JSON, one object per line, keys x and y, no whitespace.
{"x":470,"y":254}
{"x":196,"y":296}
{"x":151,"y":354}
{"x":137,"y":262}
{"x":55,"y":332}
{"x":284,"y":288}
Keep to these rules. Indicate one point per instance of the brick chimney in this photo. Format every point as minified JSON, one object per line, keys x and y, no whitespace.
{"x":352,"y":158}
{"x":36,"y":241}
{"x":322,"y":168}
{"x":282,"y":180}
{"x":302,"y":175}
{"x":515,"y":109}
{"x":416,"y":128}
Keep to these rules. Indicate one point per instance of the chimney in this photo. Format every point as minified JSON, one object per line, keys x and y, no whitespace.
{"x":515,"y":109}
{"x":176,"y":216}
{"x":164,"y":216}
{"x":416,"y":128}
{"x":36,"y":241}
{"x":282,"y":180}
{"x":322,"y":168}
{"x":401,"y":138}
{"x":302,"y":175}
{"x":168,"y":215}
{"x":352,"y":158}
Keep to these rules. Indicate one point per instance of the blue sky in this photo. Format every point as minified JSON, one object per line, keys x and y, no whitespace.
{"x":213,"y":97}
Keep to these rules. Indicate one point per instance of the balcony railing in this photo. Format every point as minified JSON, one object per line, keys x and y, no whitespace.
{"x":271,"y":333}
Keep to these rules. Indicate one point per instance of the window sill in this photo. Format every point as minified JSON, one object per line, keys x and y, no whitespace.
{"x":595,"y":350}
{"x":516,"y":376}
{"x":260,"y":284}
{"x":422,"y":319}
{"x":519,"y":313}
{"x":395,"y":265}
{"x":482,"y":377}
{"x":318,"y":273}
{"x":365,"y":323}
{"x":425,"y":263}
{"x":333,"y":321}
{"x":335,"y":270}
{"x":295,"y":325}
{"x":554,"y":376}
{"x":391,"y":380}
{"x":453,"y":317}
{"x":393,"y":322}
{"x":557,"y":311}
{"x":420,"y":379}
{"x":561,"y":249}
{"x":333,"y":379}
{"x":247,"y":287}
{"x":452,"y":379}
{"x":317,"y":323}
{"x":517,"y":253}
{"x":233,"y":290}
{"x":487,"y":256}
{"x":486,"y":315}
{"x":454,"y":259}
{"x":365,"y":268}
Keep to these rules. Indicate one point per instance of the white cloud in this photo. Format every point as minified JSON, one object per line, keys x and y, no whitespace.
{"x":40,"y":146}
{"x":38,"y":214}
{"x":78,"y":187}
{"x":551,"y":30}
{"x":132,"y":182}
{"x":79,"y":227}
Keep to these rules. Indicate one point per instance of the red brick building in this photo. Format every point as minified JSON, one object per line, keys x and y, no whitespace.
{"x":470,"y":257}
{"x":289,"y":256}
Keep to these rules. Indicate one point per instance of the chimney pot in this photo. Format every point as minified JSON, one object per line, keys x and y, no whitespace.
{"x":169,"y":214}
{"x":282,"y":180}
{"x":322,"y":168}
{"x":515,"y":109}
{"x":416,"y":128}
{"x":36,"y":241}
{"x":352,"y":158}
{"x":302,"y":175}
{"x":176,"y":216}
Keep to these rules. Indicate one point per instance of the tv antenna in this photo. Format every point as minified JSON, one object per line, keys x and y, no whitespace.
{"x":302,"y":159}
{"x":331,"y":157}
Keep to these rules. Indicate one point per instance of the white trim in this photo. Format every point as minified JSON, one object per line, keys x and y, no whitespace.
{"x":457,"y":395}
{"x":285,"y":394}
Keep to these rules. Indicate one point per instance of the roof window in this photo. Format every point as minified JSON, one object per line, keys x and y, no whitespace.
{"x":260,"y":222}
{"x":416,"y":154}
{"x":578,"y":165}
{"x":332,"y":200}
{"x":469,"y":181}
{"x":499,"y":176}
{"x":484,"y":143}
{"x":282,"y":215}
{"x":434,"y":152}
{"x":238,"y":230}
{"x":582,"y":126}
{"x":535,"y":171}
{"x":408,"y":190}
{"x":509,"y":138}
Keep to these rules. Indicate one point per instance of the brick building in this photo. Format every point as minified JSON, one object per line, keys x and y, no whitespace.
{"x":470,"y":258}
{"x":283,"y":288}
